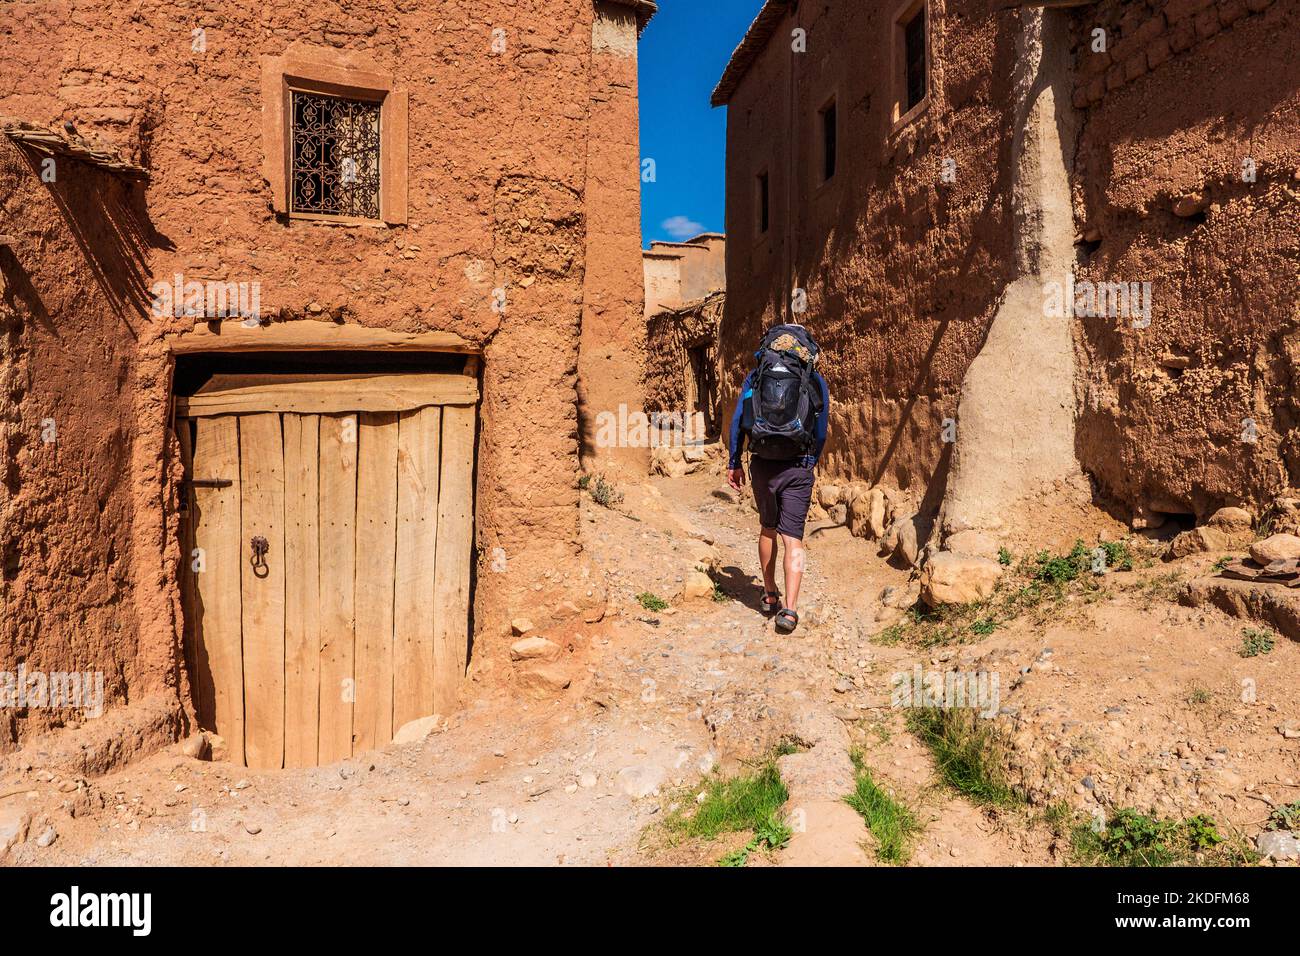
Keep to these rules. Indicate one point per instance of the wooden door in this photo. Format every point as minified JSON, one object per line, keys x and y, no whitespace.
{"x":330,"y":532}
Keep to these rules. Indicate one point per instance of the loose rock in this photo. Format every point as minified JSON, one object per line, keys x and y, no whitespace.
{"x":951,"y":578}
{"x":1277,"y":547}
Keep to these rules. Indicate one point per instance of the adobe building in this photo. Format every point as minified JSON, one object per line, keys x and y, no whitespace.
{"x":1049,"y":250}
{"x":685,"y":290}
{"x":300,"y":314}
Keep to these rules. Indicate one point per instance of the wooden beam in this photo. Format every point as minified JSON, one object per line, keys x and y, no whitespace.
{"x":333,"y":394}
{"x":309,"y":335}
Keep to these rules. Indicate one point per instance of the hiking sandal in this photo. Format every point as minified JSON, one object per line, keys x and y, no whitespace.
{"x":786,"y":620}
{"x":771,"y":601}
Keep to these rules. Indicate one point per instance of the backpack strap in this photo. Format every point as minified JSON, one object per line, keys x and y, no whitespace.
{"x":756,"y":388}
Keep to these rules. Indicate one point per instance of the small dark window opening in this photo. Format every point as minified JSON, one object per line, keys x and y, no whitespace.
{"x":335,"y":156}
{"x":829,"y":144}
{"x":914,"y":57}
{"x":764,"y":209}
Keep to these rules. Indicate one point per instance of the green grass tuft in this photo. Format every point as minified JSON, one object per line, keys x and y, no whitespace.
{"x":736,"y":803}
{"x":967,"y":751}
{"x":890,"y":822}
{"x":601,"y":491}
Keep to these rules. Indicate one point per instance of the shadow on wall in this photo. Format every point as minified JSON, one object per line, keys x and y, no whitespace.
{"x":904,"y":273}
{"x":112,"y":230}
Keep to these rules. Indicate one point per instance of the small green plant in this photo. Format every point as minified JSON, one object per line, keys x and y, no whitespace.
{"x":583,"y":482}
{"x":1198,"y":696}
{"x":1118,"y":556}
{"x":719,"y":595}
{"x":1062,"y":569}
{"x":771,"y":834}
{"x":602,"y":492}
{"x":1004,"y":556}
{"x":890,"y":822}
{"x":1221,"y":564}
{"x":984,"y":626}
{"x":1059,"y":818}
{"x":651,"y":602}
{"x":1286,"y":817}
{"x":1132,"y":838}
{"x":1201,"y":833}
{"x":1256,"y":641}
{"x":967,"y":751}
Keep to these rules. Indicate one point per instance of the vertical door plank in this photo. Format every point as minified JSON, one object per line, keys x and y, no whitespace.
{"x":302,"y":605}
{"x":200,"y":691}
{"x":261,"y":463}
{"x":455,"y":540}
{"x":218,"y":676}
{"x":418,"y":443}
{"x":338,"y":517}
{"x":376,"y":548}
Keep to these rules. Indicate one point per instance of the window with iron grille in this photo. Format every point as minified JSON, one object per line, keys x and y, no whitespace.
{"x":335,"y":156}
{"x":914,"y":47}
{"x":830,"y":136}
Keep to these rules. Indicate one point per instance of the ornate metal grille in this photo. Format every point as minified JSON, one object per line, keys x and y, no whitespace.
{"x":335,"y":156}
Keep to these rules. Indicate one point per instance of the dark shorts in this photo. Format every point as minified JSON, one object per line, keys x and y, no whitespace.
{"x":783,"y":492}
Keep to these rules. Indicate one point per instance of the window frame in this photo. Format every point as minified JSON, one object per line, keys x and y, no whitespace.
{"x":326,"y":73}
{"x":900,"y":114}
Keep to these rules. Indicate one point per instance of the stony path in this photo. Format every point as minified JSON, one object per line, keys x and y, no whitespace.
{"x":660,"y":700}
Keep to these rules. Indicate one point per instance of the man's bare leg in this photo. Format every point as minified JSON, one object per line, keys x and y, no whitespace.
{"x":767,"y":558}
{"x":794,"y":561}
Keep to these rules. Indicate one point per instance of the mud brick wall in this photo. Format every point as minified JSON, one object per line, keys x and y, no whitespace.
{"x":669,"y":336}
{"x":613,"y":334}
{"x":499,"y":147}
{"x":902,"y":269}
{"x":68,"y":332}
{"x":1188,"y":176}
{"x":1142,"y":35}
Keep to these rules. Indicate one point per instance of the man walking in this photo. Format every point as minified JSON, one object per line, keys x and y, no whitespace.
{"x":782,"y":412}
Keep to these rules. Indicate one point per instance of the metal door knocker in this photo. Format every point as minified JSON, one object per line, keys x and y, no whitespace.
{"x":260,"y":546}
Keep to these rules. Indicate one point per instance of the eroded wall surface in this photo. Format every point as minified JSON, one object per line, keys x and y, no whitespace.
{"x":1189,"y":96}
{"x":902,"y":269}
{"x":69,"y":324}
{"x":670,"y":335}
{"x":503,"y":99}
{"x":613,"y":335}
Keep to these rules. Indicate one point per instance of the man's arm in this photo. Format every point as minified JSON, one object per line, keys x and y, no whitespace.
{"x":737,"y":439}
{"x":823,"y":418}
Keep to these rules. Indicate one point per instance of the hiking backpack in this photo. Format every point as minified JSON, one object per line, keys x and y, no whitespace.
{"x":785,"y":399}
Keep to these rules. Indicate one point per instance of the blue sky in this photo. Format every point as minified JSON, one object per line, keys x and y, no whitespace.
{"x":683,"y":53}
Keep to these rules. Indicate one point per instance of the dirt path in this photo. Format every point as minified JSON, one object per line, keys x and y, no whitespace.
{"x":657,"y":701}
